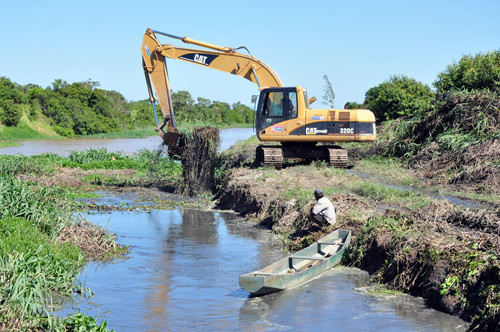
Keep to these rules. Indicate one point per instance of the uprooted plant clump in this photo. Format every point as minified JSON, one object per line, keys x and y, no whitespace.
{"x":95,"y":242}
{"x":199,"y":155}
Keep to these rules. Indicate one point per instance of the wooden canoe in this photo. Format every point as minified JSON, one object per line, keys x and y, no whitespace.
{"x":300,"y":267}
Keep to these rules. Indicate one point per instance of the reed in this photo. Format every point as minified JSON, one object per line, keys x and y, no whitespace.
{"x":49,"y":208}
{"x":32,"y":266}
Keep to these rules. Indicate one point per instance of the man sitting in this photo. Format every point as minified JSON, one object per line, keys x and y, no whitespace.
{"x":323,"y":211}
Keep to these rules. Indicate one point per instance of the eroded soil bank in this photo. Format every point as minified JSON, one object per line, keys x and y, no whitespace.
{"x":426,"y":247}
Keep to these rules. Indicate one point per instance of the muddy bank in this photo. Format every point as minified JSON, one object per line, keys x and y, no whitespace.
{"x":445,"y":254}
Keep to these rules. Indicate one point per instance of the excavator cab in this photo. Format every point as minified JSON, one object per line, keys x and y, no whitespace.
{"x":275,"y":107}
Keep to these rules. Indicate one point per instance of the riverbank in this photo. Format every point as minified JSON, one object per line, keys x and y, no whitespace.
{"x":407,"y":240}
{"x":44,"y":244}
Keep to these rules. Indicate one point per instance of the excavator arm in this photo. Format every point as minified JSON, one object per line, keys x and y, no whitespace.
{"x":212,"y":56}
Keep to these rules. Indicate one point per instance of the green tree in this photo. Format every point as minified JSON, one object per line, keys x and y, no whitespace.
{"x":399,"y":96}
{"x":10,"y":113}
{"x":10,"y":91}
{"x":329,"y":96}
{"x":478,"y":72}
{"x":182,"y":103}
{"x":355,"y":106}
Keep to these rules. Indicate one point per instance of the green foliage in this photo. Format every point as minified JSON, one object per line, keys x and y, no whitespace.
{"x":81,"y":108}
{"x":32,"y":267}
{"x":399,"y":96}
{"x":205,"y":111}
{"x":10,"y":113}
{"x":10,"y":91}
{"x":158,"y":164}
{"x":50,"y":208}
{"x":355,"y":106}
{"x":481,"y":71}
{"x":82,"y":322}
{"x":18,"y":164}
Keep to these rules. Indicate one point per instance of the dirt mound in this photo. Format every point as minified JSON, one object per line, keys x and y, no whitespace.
{"x":198,"y":159}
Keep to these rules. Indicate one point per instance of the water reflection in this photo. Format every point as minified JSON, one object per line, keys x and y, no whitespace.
{"x":199,"y":226}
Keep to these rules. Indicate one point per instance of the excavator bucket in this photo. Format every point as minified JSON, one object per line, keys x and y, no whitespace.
{"x":174,"y":142}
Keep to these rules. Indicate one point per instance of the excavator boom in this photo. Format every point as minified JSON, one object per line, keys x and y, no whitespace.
{"x":221,"y":58}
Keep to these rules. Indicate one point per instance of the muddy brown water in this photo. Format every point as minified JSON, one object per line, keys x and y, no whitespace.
{"x":182,"y":272}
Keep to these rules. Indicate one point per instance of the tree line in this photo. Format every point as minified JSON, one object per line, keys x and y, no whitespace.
{"x":404,"y":96}
{"x":401,"y":95}
{"x":82,"y":108}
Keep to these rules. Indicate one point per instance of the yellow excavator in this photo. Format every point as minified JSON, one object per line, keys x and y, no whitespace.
{"x":283,"y":114}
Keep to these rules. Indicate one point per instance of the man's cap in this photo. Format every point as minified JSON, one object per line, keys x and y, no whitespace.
{"x":318,"y":192}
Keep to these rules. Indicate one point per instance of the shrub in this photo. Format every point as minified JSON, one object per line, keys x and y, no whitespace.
{"x":11,"y":114}
{"x":399,"y":96}
{"x":481,"y":71}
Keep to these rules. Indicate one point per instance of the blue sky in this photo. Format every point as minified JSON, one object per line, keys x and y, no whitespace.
{"x":357,"y":44}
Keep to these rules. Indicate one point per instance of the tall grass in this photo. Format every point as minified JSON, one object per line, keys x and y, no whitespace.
{"x":31,"y":267}
{"x":155,"y":164}
{"x":14,"y":165}
{"x":49,"y":208}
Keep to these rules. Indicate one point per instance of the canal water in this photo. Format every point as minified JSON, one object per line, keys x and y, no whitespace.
{"x":183,"y":265}
{"x":182,"y":275}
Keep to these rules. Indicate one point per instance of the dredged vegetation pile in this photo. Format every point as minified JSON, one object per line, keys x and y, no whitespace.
{"x":199,"y":156}
{"x":458,"y":142}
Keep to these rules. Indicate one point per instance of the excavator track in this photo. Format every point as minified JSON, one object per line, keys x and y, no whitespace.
{"x":270,"y":156}
{"x":337,"y":157}
{"x":273,"y":156}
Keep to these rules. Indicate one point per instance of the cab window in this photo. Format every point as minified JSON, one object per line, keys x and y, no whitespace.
{"x":306,"y":99}
{"x":273,"y":104}
{"x":293,"y":104}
